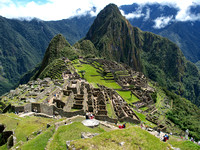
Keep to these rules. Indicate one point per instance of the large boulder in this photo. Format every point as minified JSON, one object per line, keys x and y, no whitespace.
{"x":90,"y":123}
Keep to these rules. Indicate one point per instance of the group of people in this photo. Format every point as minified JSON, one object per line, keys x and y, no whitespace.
{"x":165,"y":137}
{"x":122,"y":126}
{"x":89,"y":115}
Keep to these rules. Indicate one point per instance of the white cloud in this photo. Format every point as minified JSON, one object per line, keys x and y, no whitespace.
{"x":62,"y":9}
{"x":161,"y":22}
{"x":136,"y":14}
{"x":147,"y":14}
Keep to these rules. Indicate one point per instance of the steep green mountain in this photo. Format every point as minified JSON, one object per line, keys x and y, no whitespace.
{"x":57,"y":48}
{"x":159,"y":58}
{"x":113,"y":36}
{"x":184,"y":33}
{"x":23,"y":44}
{"x":19,"y":51}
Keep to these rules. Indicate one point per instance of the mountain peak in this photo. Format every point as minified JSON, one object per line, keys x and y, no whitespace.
{"x":113,"y":36}
{"x":111,"y":8}
{"x":54,"y":50}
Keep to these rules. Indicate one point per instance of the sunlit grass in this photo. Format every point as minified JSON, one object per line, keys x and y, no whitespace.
{"x":126,"y":95}
{"x":69,"y":132}
{"x":133,"y":138}
{"x":93,"y":77}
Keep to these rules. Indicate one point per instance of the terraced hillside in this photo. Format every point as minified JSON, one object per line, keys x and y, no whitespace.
{"x":115,"y":100}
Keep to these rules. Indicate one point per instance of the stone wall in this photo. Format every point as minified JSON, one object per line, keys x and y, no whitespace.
{"x":28,"y":108}
{"x":128,"y":119}
{"x":18,"y":108}
{"x":63,"y":113}
{"x":46,"y":109}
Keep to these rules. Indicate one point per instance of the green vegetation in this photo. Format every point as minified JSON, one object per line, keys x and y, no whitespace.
{"x":113,"y":37}
{"x":39,"y":142}
{"x":54,"y":70}
{"x":183,"y":145}
{"x":24,"y":127}
{"x":87,"y":48}
{"x":126,"y":95}
{"x":184,"y":114}
{"x":92,"y":76}
{"x":198,"y":64}
{"x":4,"y":147}
{"x":134,"y":138}
{"x":142,"y":117}
{"x":144,"y":108}
{"x":110,"y":111}
{"x":69,"y":132}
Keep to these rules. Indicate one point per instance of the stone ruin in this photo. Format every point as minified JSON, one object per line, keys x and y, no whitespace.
{"x":6,"y":137}
{"x":77,"y":97}
{"x":73,"y":95}
{"x":128,"y":79}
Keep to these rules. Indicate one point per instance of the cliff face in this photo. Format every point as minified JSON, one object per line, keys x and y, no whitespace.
{"x":115,"y":38}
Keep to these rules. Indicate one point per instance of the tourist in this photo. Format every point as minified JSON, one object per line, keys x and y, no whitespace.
{"x":91,"y":116}
{"x":165,"y":137}
{"x":87,"y":115}
{"x":158,"y":132}
{"x":192,"y":139}
{"x":120,"y":126}
{"x":124,"y":125}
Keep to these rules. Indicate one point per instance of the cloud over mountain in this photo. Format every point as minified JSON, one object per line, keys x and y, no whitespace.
{"x":62,"y":9}
{"x":161,"y":22}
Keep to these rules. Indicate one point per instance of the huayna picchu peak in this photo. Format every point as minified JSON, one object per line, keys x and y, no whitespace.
{"x":114,"y":37}
{"x":117,"y":88}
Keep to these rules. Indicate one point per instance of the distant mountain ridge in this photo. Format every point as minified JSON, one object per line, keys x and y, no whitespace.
{"x":184,"y":33}
{"x":23,"y":44}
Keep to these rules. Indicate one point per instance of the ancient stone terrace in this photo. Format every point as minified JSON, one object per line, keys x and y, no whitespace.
{"x":73,"y":95}
{"x":127,"y":78}
{"x":122,"y":109}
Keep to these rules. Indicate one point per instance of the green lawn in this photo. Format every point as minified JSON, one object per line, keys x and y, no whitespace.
{"x":92,"y":76}
{"x":4,"y":147}
{"x":69,"y":132}
{"x":39,"y":142}
{"x":182,"y":144}
{"x":23,"y":126}
{"x":143,"y":119}
{"x":134,"y":138}
{"x":126,"y":95}
{"x":144,"y":108}
{"x":110,"y":111}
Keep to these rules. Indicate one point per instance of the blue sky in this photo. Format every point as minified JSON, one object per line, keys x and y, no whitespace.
{"x":24,"y":2}
{"x":62,"y":9}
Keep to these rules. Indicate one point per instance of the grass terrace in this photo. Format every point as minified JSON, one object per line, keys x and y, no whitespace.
{"x":182,"y":144}
{"x":112,"y":140}
{"x":39,"y":142}
{"x":23,"y":126}
{"x":93,"y":77}
{"x":126,"y":95}
{"x":69,"y":132}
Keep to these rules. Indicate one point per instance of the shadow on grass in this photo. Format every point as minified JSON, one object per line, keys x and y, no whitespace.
{"x":94,"y":75}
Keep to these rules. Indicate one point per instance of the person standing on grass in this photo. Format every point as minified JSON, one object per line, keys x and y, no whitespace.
{"x":159,"y":132}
